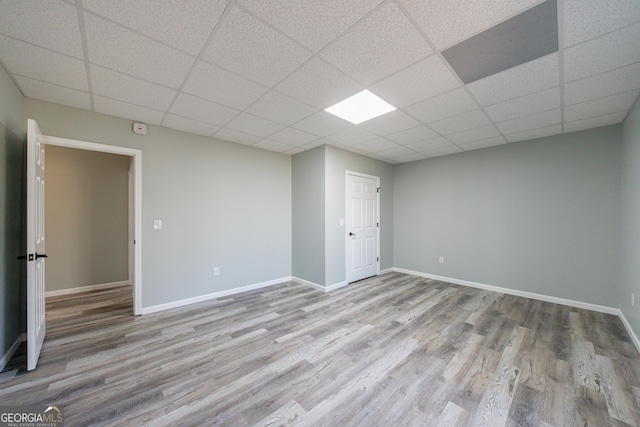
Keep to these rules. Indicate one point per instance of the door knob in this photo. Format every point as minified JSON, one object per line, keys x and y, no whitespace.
{"x":352,"y":234}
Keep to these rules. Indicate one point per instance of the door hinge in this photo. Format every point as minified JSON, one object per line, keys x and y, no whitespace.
{"x":378,"y":259}
{"x":377,"y":224}
{"x":378,"y":190}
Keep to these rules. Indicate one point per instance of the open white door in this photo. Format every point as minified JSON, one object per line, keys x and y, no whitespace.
{"x":362,"y":226}
{"x":35,"y":244}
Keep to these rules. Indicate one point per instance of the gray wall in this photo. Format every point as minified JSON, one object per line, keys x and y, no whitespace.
{"x":221,"y":204}
{"x":630,"y":219}
{"x":319,"y":180}
{"x":12,"y":155}
{"x":308,"y":229}
{"x":539,"y":216}
{"x":337,"y":162}
{"x":87,"y":206}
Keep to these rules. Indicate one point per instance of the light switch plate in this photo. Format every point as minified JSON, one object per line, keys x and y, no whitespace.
{"x":157,"y":224}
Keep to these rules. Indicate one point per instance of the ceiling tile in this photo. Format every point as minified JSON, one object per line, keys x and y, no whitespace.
{"x":236,"y":136}
{"x":293,"y":137}
{"x":314,"y":23}
{"x":594,"y":122}
{"x":314,"y":144}
{"x":439,"y":107}
{"x":410,"y":158}
{"x":125,"y":88}
{"x":123,"y":50}
{"x":538,"y":120}
{"x":430,"y":145}
{"x":461,"y":122}
{"x":601,"y":106}
{"x":53,"y":93}
{"x":254,"y":50}
{"x":485,"y":143}
{"x":319,"y":84}
{"x":379,"y":45}
{"x":524,"y":79}
{"x":534,"y":133}
{"x":46,"y":23}
{"x":477,"y":134}
{"x":280,"y":108}
{"x":276,"y":146}
{"x":437,"y":17}
{"x":254,"y":125}
{"x":586,"y":19}
{"x":187,"y":125}
{"x":352,"y":136}
{"x":126,"y":111}
{"x":544,"y":100}
{"x":375,"y":145}
{"x":41,"y":64}
{"x":201,"y":110}
{"x":389,"y":123}
{"x":605,"y":53}
{"x":294,"y":150}
{"x":181,"y":24}
{"x":427,"y":78}
{"x":443,"y":151}
{"x":418,"y":133}
{"x":322,"y":124}
{"x":609,"y":83}
{"x":396,"y":152}
{"x":220,"y":86}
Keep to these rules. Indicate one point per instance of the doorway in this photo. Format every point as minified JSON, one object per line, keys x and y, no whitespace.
{"x":362,"y":226}
{"x":134,"y":177}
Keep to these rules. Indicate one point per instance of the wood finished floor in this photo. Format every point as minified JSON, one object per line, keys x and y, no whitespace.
{"x":394,"y":350}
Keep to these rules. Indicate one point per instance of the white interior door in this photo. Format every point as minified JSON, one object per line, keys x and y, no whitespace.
{"x":36,"y":327}
{"x":362,"y":226}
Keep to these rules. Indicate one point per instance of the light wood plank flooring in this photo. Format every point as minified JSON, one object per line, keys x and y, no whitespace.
{"x":394,"y":350}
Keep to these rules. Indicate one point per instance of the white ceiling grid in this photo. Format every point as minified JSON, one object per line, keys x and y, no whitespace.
{"x":261,"y":72}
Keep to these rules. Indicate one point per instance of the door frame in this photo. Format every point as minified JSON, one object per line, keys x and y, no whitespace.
{"x":135,"y":172}
{"x":346,"y":208}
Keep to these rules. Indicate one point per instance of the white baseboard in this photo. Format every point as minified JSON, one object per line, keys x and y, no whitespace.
{"x":9,"y":353}
{"x":629,"y":329}
{"x":85,"y":289}
{"x":308,"y":283}
{"x":336,"y":286}
{"x":201,"y":298}
{"x":540,"y":297}
{"x":321,"y":288}
{"x":386,"y":270}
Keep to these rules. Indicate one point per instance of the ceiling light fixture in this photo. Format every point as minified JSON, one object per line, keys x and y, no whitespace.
{"x":360,"y":107}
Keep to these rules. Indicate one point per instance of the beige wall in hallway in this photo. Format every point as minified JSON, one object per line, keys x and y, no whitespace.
{"x":86,"y":205}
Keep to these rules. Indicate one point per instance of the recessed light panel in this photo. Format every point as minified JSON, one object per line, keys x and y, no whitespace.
{"x":360,"y":107}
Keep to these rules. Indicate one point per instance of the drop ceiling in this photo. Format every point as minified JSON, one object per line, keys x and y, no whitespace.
{"x":261,"y":72}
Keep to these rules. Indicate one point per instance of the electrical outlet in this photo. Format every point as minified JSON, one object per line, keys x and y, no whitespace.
{"x":216,"y":271}
{"x":441,"y":260}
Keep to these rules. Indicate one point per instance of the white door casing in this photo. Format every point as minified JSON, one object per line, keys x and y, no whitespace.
{"x":36,"y":324}
{"x":362,"y":226}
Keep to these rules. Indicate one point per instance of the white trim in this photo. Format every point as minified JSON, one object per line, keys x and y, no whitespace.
{"x":336,"y":286}
{"x":88,"y":288}
{"x":137,"y":202}
{"x":385,"y":271}
{"x":308,"y":283}
{"x":346,"y":207}
{"x":630,"y":330}
{"x":6,"y":357}
{"x":321,"y":288}
{"x":207,"y":297}
{"x":540,"y":297}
